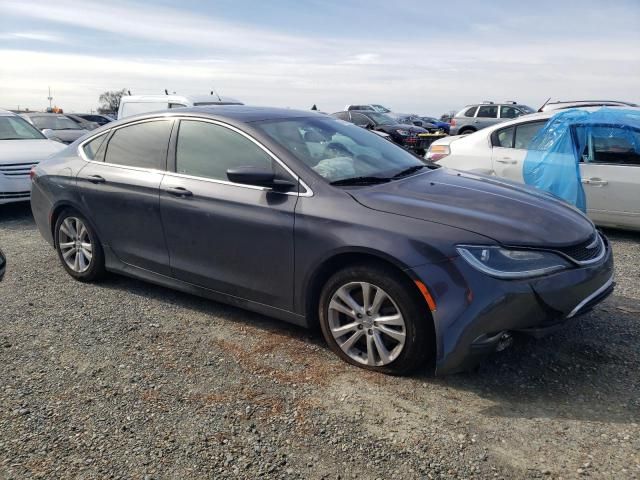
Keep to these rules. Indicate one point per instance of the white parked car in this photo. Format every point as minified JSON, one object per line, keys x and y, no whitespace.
{"x":21,"y":147}
{"x":609,"y":168}
{"x":137,"y":104}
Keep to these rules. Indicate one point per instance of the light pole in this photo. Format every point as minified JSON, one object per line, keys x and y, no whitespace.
{"x":50,"y":98}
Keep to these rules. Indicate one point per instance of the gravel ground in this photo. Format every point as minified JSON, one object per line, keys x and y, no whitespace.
{"x":125,"y":379}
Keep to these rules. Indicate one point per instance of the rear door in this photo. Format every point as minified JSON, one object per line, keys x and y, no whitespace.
{"x":120,"y":187}
{"x":232,"y":238}
{"x":510,"y":146}
{"x":610,"y":172}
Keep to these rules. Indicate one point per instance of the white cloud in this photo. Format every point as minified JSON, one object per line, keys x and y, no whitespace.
{"x":270,"y":68}
{"x":37,"y":36}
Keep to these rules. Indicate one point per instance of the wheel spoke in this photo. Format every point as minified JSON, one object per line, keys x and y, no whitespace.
{"x":68,"y":253}
{"x":366,"y":294}
{"x":378,"y":300}
{"x":86,"y":254}
{"x":338,"y":306}
{"x":82,"y":230}
{"x":76,"y":262}
{"x":391,"y":320}
{"x":82,"y":263}
{"x":67,"y":228}
{"x":67,"y":245}
{"x":340,"y":331}
{"x":87,"y":246}
{"x":381,"y":349}
{"x":351,"y":340}
{"x":371,"y":358}
{"x":396,"y":335}
{"x":348,"y":300}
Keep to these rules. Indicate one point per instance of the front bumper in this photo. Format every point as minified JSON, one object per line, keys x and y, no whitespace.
{"x":475,"y":312}
{"x":15,"y":185}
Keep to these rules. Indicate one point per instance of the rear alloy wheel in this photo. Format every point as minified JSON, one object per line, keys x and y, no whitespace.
{"x":372,"y":317}
{"x":78,"y":247}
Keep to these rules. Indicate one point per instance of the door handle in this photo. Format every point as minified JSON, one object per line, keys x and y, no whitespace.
{"x":507,"y":161}
{"x":179,"y":192}
{"x":596,"y":182}
{"x":96,"y":179}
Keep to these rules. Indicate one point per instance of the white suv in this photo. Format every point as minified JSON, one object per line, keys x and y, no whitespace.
{"x":609,"y":170}
{"x":136,"y":104}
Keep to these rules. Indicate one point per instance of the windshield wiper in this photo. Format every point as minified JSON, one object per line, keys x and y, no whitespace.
{"x":408,"y":171}
{"x":360,"y":181}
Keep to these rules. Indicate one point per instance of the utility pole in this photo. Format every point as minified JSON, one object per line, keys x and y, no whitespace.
{"x":50,"y":98}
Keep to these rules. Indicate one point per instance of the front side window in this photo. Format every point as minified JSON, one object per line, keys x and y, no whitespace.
{"x":610,"y":144}
{"x":337,"y":150}
{"x":488,"y":111}
{"x":509,"y":112}
{"x":142,"y":145}
{"x":208,"y":150}
{"x":15,"y":128}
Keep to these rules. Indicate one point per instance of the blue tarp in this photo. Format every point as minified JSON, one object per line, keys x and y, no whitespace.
{"x":553,"y":158}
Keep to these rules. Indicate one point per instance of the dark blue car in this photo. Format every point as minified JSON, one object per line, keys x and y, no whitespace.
{"x":314,"y":220}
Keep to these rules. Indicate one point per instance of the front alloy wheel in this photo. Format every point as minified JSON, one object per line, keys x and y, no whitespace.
{"x":374,"y":317}
{"x":366,"y":324}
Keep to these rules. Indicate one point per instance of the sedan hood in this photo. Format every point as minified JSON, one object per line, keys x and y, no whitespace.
{"x":27,"y":151}
{"x":508,"y":213}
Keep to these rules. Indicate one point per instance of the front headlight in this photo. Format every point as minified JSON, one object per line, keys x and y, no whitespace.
{"x":506,"y":263}
{"x":404,"y":133}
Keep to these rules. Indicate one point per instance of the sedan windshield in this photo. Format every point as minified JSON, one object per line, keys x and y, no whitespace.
{"x":15,"y":128}
{"x":526,"y":109}
{"x":381,"y":118}
{"x":339,"y":150}
{"x":55,"y":122}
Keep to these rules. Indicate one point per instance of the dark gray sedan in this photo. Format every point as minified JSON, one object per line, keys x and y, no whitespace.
{"x":316,"y":221}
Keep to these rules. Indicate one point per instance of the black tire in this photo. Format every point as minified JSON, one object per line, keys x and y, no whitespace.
{"x":466,"y":131}
{"x":95,"y":268}
{"x":418,"y":324}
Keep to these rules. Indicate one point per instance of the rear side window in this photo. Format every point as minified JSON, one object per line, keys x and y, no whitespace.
{"x":360,"y":120}
{"x":142,"y":145}
{"x":525,"y":133}
{"x":469,"y":112}
{"x":488,"y":111}
{"x":92,"y":148}
{"x":503,"y":138}
{"x":208,"y":150}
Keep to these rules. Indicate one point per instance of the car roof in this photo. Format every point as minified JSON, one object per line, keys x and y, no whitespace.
{"x":230,"y":113}
{"x":178,"y":98}
{"x":7,"y":113}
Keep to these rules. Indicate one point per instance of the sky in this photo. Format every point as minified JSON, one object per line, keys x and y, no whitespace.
{"x":414,"y":57}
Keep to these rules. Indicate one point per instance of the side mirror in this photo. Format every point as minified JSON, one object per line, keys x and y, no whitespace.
{"x":261,"y":177}
{"x":47,"y":132}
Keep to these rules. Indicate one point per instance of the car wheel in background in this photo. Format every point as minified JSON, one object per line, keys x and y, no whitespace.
{"x":466,"y":131}
{"x":78,"y":247}
{"x":372,"y":317}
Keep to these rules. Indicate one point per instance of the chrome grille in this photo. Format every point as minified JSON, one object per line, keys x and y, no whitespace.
{"x":14,"y":195}
{"x":16,"y":169}
{"x":586,"y":251}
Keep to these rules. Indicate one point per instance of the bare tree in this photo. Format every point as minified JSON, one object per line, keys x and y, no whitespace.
{"x":110,"y":101}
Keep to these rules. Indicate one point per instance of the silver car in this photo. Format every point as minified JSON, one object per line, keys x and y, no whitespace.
{"x":56,"y":126}
{"x":476,"y":117}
